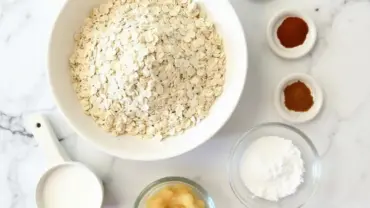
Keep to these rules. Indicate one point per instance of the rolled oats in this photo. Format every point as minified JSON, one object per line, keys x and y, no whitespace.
{"x":151,"y":67}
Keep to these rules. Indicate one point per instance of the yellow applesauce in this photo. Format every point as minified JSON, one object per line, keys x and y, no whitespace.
{"x":175,"y":196}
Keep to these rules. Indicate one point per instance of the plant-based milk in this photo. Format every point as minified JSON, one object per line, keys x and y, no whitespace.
{"x":71,"y":186}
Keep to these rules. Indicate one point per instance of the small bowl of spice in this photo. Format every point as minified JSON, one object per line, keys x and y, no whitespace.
{"x":298,"y":98}
{"x":291,"y":34}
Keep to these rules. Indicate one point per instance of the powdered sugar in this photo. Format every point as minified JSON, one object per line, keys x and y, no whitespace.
{"x":272,"y":168}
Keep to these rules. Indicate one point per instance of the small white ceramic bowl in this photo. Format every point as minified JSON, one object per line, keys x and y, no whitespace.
{"x":298,"y":117}
{"x":71,"y":18}
{"x":274,"y":42}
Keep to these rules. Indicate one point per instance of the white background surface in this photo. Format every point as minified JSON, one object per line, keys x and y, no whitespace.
{"x":340,"y":62}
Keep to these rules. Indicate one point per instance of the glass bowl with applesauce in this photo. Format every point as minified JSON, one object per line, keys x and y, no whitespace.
{"x":174,"y":192}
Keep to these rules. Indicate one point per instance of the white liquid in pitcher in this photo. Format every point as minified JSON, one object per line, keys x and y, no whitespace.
{"x":71,"y":186}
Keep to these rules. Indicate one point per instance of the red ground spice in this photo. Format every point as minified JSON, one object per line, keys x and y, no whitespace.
{"x":292,"y":32}
{"x":298,"y":97}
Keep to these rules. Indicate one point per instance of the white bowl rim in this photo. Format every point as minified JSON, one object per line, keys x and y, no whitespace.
{"x":159,"y":156}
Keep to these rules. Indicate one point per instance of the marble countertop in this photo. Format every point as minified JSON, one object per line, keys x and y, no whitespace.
{"x":340,"y":62}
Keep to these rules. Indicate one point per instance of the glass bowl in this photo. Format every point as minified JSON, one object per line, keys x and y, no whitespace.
{"x":310,"y":158}
{"x":157,"y":185}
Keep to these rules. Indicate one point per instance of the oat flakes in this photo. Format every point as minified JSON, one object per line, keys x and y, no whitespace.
{"x":151,"y":67}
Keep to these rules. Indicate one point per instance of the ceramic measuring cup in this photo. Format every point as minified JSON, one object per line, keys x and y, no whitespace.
{"x":65,"y":183}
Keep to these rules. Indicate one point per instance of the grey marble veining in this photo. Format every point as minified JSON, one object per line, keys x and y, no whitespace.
{"x":340,"y":63}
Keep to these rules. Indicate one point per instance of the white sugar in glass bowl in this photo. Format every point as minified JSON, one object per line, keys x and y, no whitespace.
{"x":309,"y":154}
{"x":61,"y":46}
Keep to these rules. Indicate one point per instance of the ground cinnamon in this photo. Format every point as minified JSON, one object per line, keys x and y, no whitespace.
{"x":298,"y":97}
{"x":292,"y":32}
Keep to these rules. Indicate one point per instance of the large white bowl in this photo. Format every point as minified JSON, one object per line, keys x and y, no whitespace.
{"x":61,"y":47}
